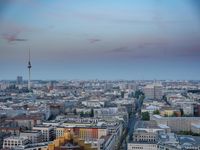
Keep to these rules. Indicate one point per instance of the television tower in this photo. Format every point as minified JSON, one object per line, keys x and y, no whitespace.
{"x":29,"y":71}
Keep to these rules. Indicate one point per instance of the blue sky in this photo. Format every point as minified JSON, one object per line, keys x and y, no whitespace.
{"x":104,"y":39}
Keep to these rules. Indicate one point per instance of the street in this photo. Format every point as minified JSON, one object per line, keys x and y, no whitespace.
{"x":134,"y":117}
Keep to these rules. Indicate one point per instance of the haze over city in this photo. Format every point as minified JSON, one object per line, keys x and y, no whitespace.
{"x":132,"y":39}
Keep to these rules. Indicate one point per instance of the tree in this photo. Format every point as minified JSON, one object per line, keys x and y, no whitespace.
{"x":81,"y":114}
{"x":156,"y":112}
{"x":145,"y":116}
{"x":174,"y":114}
{"x":138,"y":93}
{"x":182,"y":113}
{"x":165,"y":115}
{"x":92,"y":112}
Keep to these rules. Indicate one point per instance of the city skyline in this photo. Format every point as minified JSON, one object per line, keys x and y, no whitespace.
{"x":133,"y":39}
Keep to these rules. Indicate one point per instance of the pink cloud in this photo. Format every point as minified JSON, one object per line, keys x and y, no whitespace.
{"x":12,"y":37}
{"x":12,"y":32}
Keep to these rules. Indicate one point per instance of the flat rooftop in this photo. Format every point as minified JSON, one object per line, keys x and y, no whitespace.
{"x":30,"y":131}
{"x":146,"y":124}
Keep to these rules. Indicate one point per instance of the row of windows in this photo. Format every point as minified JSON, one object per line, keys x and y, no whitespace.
{"x":138,"y":140}
{"x":140,"y":147}
{"x":137,"y":147}
{"x":145,"y":136}
{"x":13,"y":142}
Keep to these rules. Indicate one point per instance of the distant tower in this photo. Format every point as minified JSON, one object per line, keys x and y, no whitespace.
{"x":29,"y":71}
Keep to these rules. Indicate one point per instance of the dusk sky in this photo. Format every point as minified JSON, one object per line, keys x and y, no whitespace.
{"x":100,"y":39}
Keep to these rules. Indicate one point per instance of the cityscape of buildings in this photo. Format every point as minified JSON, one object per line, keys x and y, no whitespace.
{"x":99,"y":114}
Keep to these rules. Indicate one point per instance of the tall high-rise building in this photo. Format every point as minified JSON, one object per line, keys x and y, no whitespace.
{"x":153,"y":91}
{"x":29,"y":71}
{"x":19,"y":79}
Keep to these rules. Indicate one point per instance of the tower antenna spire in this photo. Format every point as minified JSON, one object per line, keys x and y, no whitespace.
{"x":29,"y":55}
{"x":29,"y":71}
